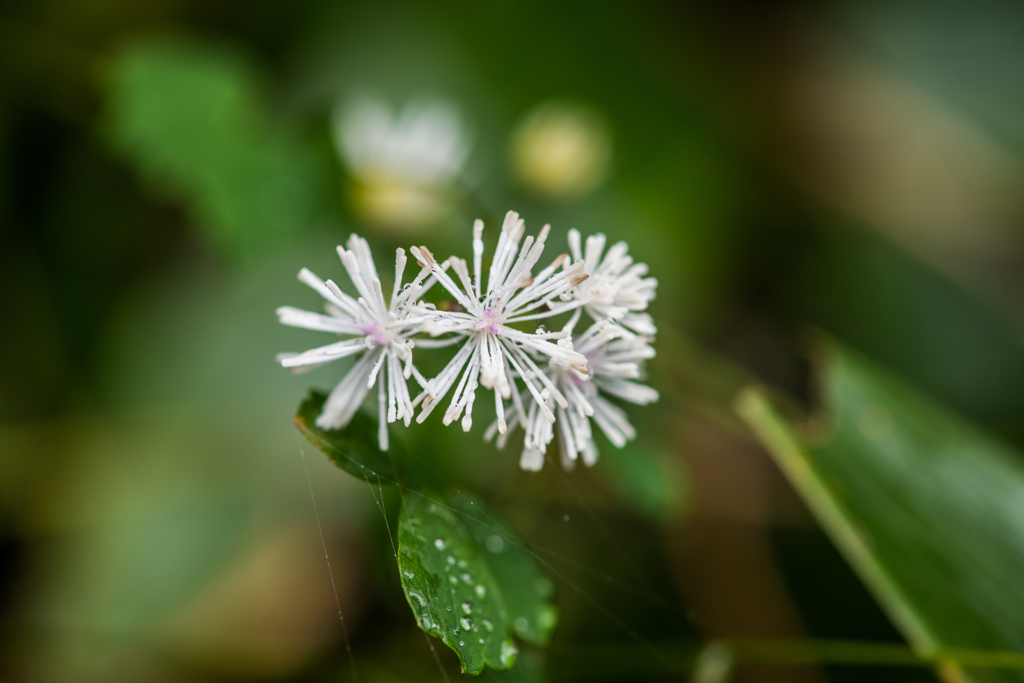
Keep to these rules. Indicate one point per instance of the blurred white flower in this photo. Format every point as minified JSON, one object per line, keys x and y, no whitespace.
{"x":614,"y":362}
{"x":492,"y":353}
{"x":381,"y":332}
{"x":617,"y":288}
{"x":562,"y":150}
{"x":404,"y":164}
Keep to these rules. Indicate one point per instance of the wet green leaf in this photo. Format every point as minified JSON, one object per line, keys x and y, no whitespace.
{"x":526,"y":590}
{"x":467,"y":589}
{"x":354,"y":448}
{"x":926,"y":507}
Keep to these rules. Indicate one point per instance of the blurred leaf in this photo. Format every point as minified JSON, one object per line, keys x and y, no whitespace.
{"x":926,"y":508}
{"x":189,"y":116}
{"x":649,"y":484}
{"x":907,"y":315}
{"x":968,"y":53}
{"x":529,"y":668}
{"x":354,"y":448}
{"x":468,"y":594}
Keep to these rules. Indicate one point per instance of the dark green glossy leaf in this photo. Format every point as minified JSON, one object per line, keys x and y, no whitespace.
{"x":354,"y":448}
{"x":926,"y":507}
{"x":526,"y":590}
{"x":449,"y":585}
{"x":470,"y":582}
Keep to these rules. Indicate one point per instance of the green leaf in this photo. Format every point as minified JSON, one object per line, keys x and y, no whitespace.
{"x":526,"y":590}
{"x":926,"y":507}
{"x":190,"y":117}
{"x":354,"y":448}
{"x":467,"y":589}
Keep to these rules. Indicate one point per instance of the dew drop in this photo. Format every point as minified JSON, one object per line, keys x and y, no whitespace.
{"x":481,"y":641}
{"x":522,"y":624}
{"x":454,"y":581}
{"x":456,"y":631}
{"x":448,"y":608}
{"x":440,"y":544}
{"x":488,"y":625}
{"x":419,"y":598}
{"x":450,"y":560}
{"x":461,"y":642}
{"x":467,"y":578}
{"x":566,"y":518}
{"x":495,"y":543}
{"x":467,"y":607}
{"x":480,"y":591}
{"x":462,"y":563}
{"x":467,"y":623}
{"x":409,"y":575}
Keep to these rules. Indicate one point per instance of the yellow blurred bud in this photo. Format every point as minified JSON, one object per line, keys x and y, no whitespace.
{"x":396,"y":203}
{"x":562,"y":150}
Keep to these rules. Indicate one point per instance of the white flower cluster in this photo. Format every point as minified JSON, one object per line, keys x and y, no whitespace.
{"x":546,"y":382}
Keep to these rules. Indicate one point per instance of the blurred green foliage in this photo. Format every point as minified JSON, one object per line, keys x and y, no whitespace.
{"x":923,"y":504}
{"x":852,"y":165}
{"x":190,"y":116}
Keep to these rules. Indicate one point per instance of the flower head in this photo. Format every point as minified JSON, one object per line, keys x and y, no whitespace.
{"x":615,"y":361}
{"x":492,"y":353}
{"x":380,"y":331}
{"x":617,"y":288}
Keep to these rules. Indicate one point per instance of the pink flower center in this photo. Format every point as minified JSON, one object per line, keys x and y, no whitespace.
{"x":376,"y":333}
{"x":489,"y":321}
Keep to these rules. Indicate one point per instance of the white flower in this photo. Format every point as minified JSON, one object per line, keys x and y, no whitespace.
{"x":614,"y":361}
{"x":491,"y":350}
{"x":404,"y":163}
{"x":379,"y":331}
{"x":617,"y":288}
